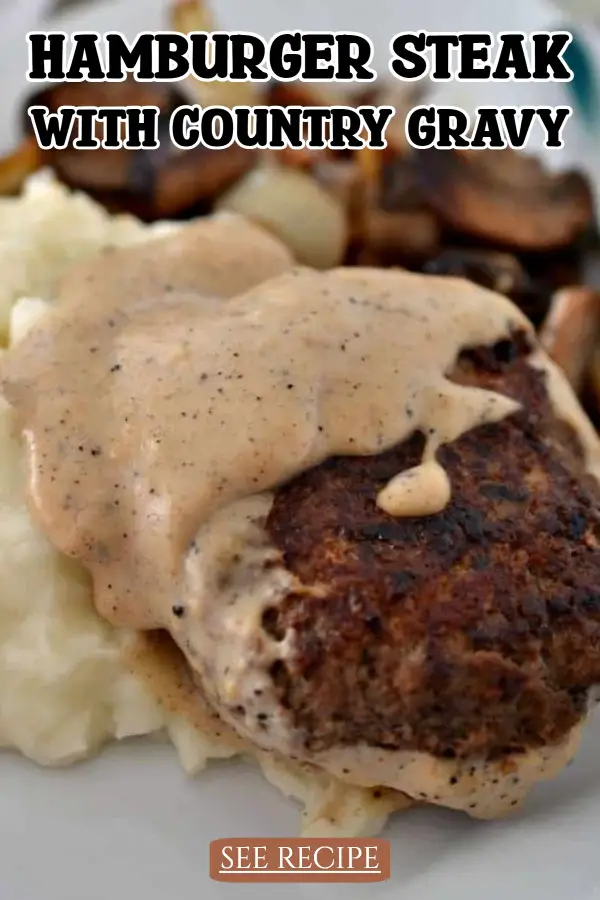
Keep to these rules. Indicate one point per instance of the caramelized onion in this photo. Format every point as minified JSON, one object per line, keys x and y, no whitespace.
{"x":187,"y":16}
{"x":400,"y":237}
{"x":17,"y":166}
{"x":403,"y":96}
{"x":293,"y":206}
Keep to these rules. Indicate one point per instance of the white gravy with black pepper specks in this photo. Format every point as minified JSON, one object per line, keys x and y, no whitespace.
{"x":161,"y":407}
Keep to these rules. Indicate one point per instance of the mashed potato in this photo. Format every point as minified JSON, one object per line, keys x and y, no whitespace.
{"x":45,"y":230}
{"x":64,"y":687}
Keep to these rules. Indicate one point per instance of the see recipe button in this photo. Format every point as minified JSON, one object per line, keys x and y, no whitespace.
{"x":300,"y":859}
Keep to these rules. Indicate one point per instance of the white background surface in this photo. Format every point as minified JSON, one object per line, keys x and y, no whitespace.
{"x":129,"y":824}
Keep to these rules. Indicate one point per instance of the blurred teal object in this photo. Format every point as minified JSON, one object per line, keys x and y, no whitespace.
{"x":584,"y":86}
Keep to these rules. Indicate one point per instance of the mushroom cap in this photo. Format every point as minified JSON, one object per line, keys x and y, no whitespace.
{"x":157,"y":183}
{"x":505,"y":197}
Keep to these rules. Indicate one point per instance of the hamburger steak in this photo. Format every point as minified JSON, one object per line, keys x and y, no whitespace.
{"x":471,"y":633}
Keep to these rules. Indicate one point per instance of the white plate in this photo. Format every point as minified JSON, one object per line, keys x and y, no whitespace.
{"x":130,"y":825}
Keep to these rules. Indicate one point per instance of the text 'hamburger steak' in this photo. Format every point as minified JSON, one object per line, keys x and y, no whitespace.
{"x":363,"y":504}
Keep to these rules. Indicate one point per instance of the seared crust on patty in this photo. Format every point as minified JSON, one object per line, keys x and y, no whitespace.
{"x":475,"y":632}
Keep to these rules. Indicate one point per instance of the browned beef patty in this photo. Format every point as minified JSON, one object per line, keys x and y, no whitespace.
{"x":471,"y":632}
